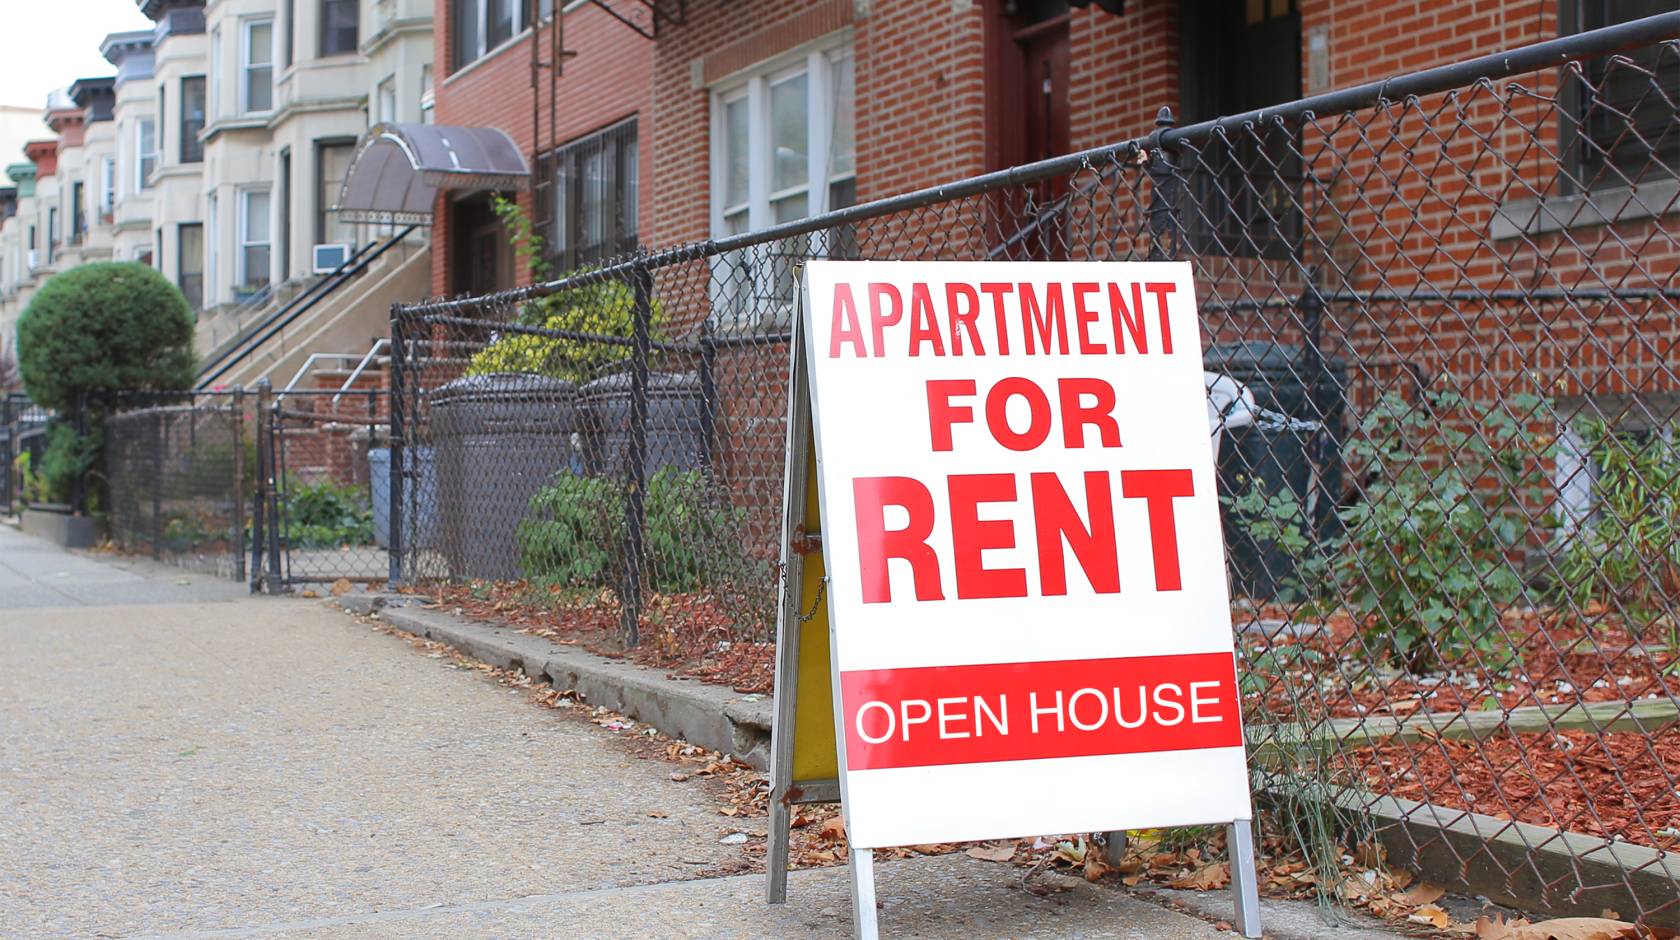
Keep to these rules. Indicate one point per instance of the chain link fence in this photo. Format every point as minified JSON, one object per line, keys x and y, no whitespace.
{"x":1441,"y":317}
{"x":179,"y":477}
{"x":328,"y":461}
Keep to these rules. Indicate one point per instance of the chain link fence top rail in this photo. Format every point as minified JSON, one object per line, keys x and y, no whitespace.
{"x":179,"y":471}
{"x":1441,"y":316}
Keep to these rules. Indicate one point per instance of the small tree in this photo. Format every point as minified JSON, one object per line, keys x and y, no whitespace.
{"x":92,"y":329}
{"x":104,"y":326}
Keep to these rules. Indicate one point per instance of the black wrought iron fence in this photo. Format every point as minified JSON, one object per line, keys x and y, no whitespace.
{"x":179,"y":476}
{"x":1441,"y":355}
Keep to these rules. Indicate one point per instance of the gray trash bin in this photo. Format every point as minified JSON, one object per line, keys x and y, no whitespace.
{"x":499,"y":438}
{"x":1303,"y":458}
{"x":675,"y":423}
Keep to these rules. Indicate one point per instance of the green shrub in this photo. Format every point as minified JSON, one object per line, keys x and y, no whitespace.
{"x":326,"y":514}
{"x":570,"y":537}
{"x":1429,"y":561}
{"x":573,"y":535}
{"x":92,"y":329}
{"x":68,"y":457}
{"x":104,"y":326}
{"x":1628,"y":553}
{"x":604,"y":309}
{"x":1278,"y":521}
{"x":30,"y":485}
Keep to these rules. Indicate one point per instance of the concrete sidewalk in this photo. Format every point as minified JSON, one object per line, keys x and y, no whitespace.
{"x":243,"y":766}
{"x":36,"y":573}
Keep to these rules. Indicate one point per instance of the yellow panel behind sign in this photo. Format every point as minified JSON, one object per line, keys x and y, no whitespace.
{"x":814,"y":751}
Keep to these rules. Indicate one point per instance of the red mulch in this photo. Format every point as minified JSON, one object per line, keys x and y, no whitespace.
{"x":1562,"y":659}
{"x":1621,"y":784}
{"x":690,"y":634}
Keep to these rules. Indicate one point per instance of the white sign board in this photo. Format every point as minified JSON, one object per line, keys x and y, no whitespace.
{"x":1031,"y":625}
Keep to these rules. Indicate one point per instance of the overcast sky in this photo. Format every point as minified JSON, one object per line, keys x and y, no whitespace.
{"x":47,"y":44}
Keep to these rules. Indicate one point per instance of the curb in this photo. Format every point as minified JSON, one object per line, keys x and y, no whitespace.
{"x":709,"y":716}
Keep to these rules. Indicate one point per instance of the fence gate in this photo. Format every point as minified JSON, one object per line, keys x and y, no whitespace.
{"x":321,"y":522}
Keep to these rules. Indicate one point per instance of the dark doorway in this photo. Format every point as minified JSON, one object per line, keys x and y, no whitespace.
{"x":1029,"y":44}
{"x":1237,"y":56}
{"x":482,"y":260}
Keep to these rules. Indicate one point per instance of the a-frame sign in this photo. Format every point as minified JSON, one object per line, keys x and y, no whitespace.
{"x":1002,"y":564}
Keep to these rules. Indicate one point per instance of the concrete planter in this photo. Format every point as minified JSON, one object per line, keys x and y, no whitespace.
{"x":57,"y":525}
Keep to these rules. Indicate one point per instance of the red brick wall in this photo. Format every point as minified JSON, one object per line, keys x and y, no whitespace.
{"x":607,"y":81}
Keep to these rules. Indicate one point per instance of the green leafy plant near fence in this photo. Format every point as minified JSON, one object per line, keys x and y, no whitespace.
{"x":607,"y":308}
{"x":1429,"y":562}
{"x":1627,"y":555}
{"x":573,"y":535}
{"x":1428,"y":556}
{"x":325,"y":514}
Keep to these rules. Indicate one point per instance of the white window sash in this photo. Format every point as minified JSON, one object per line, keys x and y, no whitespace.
{"x":246,"y":66}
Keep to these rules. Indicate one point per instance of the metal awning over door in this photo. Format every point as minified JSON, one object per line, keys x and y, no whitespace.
{"x":398,"y":169}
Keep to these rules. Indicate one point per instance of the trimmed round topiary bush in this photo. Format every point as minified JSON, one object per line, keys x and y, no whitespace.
{"x":92,"y":329}
{"x":104,"y":326}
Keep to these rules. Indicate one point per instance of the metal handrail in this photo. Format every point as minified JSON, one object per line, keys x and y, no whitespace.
{"x":308,"y":366}
{"x":284,"y":317}
{"x":356,"y":373}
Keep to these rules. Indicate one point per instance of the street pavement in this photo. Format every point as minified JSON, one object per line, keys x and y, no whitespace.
{"x":178,"y":759}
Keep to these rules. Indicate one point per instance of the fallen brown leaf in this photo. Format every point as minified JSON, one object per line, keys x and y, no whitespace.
{"x":1422,"y":893}
{"x":1564,"y":928}
{"x":992,"y":853}
{"x":1217,"y":875}
{"x":1431,"y":915}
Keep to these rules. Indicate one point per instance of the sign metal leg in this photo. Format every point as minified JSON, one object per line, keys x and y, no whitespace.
{"x":863,"y":894}
{"x":1245,"y":885}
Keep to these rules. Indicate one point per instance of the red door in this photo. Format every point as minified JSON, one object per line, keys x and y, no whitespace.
{"x":1031,"y":122}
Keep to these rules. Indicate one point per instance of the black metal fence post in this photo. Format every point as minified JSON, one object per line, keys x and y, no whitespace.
{"x":276,"y":479}
{"x":78,"y":483}
{"x":259,"y":511}
{"x":399,"y":356}
{"x":1164,"y":227}
{"x":635,"y":504}
{"x":157,"y":484}
{"x":238,"y":535}
{"x":708,"y":392}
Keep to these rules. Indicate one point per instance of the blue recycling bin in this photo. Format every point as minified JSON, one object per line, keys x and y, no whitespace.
{"x":420,"y":529}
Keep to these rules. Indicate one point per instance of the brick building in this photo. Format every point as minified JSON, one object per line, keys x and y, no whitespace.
{"x":580,"y":128}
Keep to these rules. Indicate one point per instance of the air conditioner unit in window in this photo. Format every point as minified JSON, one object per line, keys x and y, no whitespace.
{"x":328,"y":258}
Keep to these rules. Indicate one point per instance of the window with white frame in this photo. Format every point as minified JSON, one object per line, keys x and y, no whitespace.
{"x":387,"y":99}
{"x":107,"y":188}
{"x":217,"y":79}
{"x":478,"y":26}
{"x":256,"y":66}
{"x":254,"y":238}
{"x":145,"y":153}
{"x":783,"y":148}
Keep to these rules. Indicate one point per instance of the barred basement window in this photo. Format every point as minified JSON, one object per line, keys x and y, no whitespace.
{"x":586,"y":198}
